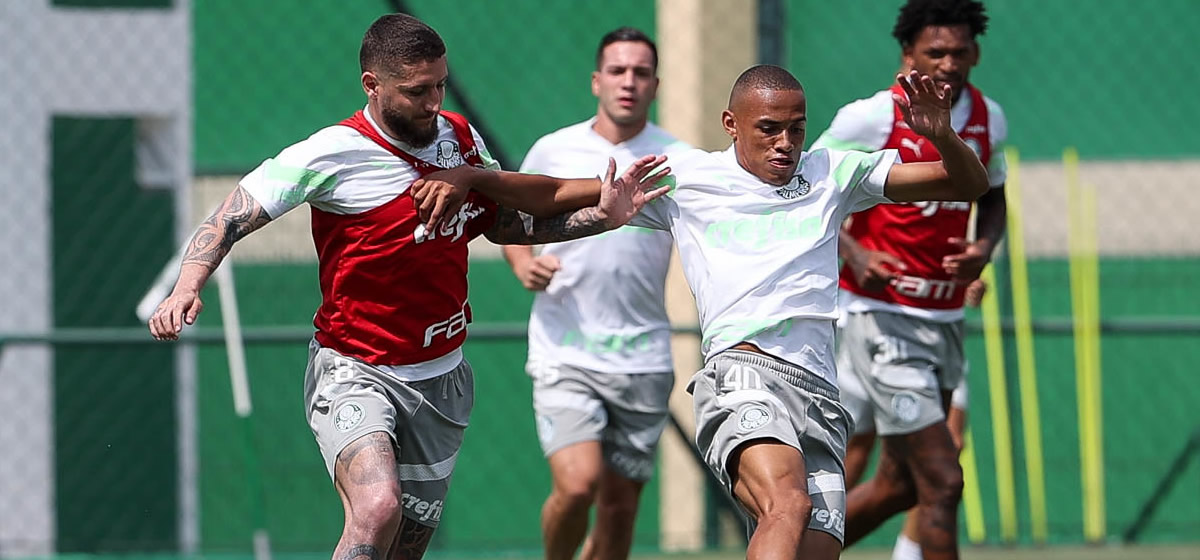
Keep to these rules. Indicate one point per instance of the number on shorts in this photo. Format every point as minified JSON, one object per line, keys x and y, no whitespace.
{"x":343,"y":370}
{"x":741,"y":378}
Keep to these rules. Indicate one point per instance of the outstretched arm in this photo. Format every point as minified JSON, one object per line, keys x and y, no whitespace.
{"x":237,"y":216}
{"x":441,"y":193}
{"x":620,"y":199}
{"x":960,"y":175}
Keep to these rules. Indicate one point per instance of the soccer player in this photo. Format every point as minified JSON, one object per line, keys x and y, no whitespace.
{"x":599,"y":337}
{"x":757,"y":228}
{"x":904,"y":281}
{"x":388,"y":392}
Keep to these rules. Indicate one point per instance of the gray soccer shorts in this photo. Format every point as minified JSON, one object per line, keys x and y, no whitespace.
{"x":625,"y":412}
{"x":741,"y":396}
{"x":892,"y":369}
{"x":347,"y":399}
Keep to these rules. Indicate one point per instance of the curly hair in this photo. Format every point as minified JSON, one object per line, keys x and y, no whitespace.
{"x":916,"y":15}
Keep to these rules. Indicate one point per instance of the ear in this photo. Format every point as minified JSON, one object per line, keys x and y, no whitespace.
{"x":729,"y":122}
{"x":978,"y":52}
{"x":654,"y":89}
{"x":370,"y":84}
{"x":596,"y":83}
{"x":906,"y":57}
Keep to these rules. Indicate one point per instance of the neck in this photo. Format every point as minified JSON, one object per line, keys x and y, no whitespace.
{"x":614,"y":132}
{"x":746,"y":167}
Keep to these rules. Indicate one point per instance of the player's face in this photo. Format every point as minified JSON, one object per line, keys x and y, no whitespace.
{"x":946,"y":53}
{"x":408,"y":99}
{"x":625,"y":83}
{"x":767,"y":127}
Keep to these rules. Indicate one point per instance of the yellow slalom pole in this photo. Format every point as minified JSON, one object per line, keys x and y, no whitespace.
{"x":1031,"y":419}
{"x":1085,"y":379}
{"x":972,"y":497}
{"x":998,"y":393}
{"x":1096,"y":523}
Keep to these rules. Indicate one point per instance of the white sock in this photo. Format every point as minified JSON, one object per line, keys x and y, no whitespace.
{"x":906,"y":549}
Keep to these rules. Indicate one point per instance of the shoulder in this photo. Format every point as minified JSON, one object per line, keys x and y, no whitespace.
{"x":562,"y":139}
{"x":863,"y":124}
{"x":664,"y":141}
{"x":997,"y":122}
{"x":329,"y":145}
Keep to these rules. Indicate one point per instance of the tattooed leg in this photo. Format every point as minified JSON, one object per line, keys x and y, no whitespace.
{"x":366,"y":479}
{"x":411,"y":540}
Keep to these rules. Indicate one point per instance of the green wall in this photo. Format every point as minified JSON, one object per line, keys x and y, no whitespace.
{"x":1105,"y":76}
{"x":268,"y":74}
{"x":114,"y":405}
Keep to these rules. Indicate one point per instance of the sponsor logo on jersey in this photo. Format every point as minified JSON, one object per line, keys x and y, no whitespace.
{"x":758,"y":231}
{"x":453,"y":227}
{"x":929,"y":208}
{"x":796,"y":188}
{"x":975,"y":129}
{"x":348,"y":416}
{"x":449,"y":328}
{"x":917,"y":287}
{"x":427,"y":511}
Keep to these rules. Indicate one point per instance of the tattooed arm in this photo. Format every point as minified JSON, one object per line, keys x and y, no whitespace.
{"x":517,"y":228}
{"x":237,"y":216}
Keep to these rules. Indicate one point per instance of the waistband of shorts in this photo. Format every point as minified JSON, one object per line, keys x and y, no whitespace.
{"x":794,"y":375}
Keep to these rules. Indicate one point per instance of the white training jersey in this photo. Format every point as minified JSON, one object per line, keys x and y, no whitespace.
{"x":604,"y":309}
{"x":865,"y":125}
{"x":762,"y":259}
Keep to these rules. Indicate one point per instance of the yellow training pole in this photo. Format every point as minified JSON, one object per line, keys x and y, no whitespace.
{"x":1031,"y":420}
{"x":972,"y":497}
{"x":1095,"y":525}
{"x":1001,"y":429}
{"x":1090,"y":456}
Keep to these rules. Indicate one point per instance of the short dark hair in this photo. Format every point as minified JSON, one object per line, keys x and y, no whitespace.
{"x":764,"y":77}
{"x":626,"y":34}
{"x":396,"y":39}
{"x":916,"y":15}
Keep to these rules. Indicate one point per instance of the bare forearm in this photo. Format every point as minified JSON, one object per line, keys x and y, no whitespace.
{"x":237,"y":216}
{"x":540,"y":196}
{"x":517,"y":255}
{"x":512,"y":228}
{"x":991,"y":218}
{"x":963,"y":169}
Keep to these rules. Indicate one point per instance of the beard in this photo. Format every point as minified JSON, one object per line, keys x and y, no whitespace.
{"x":407,"y":131}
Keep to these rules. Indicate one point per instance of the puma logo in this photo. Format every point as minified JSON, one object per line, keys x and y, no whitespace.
{"x":914,"y":146}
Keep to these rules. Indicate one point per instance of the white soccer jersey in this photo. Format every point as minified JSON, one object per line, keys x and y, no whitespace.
{"x":761,"y":259}
{"x":340,"y":171}
{"x":866,"y":124}
{"x":604,"y":309}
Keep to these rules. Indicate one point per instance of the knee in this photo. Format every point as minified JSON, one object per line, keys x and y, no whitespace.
{"x":617,"y":506}
{"x":576,"y":492}
{"x":378,"y":512}
{"x":945,"y":487}
{"x":790,"y":505}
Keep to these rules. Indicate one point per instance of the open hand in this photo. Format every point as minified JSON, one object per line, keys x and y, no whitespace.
{"x":622,"y":198}
{"x":925,"y":107}
{"x":175,"y":311}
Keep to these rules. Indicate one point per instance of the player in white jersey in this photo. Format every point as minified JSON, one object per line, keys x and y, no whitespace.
{"x":900,"y":353}
{"x":599,"y":338}
{"x":388,"y":391}
{"x":757,"y":228}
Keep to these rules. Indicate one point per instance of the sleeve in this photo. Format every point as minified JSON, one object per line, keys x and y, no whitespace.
{"x":863,"y":176}
{"x":303,"y":172}
{"x":997,"y":167}
{"x":863,"y":125}
{"x":489,"y":162}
